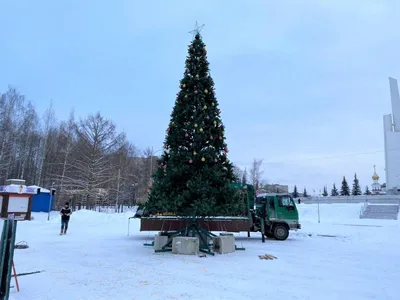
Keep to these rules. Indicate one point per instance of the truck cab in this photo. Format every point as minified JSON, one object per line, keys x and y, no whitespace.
{"x":277,"y":213}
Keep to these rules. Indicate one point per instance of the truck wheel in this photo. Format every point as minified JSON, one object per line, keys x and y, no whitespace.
{"x":281,"y":232}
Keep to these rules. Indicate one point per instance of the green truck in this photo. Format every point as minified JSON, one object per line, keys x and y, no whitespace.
{"x":272,"y":214}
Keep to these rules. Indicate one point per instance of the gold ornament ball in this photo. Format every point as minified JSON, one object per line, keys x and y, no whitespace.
{"x":205,"y":106}
{"x":206,"y":91}
{"x":197,"y":76}
{"x":194,"y":153}
{"x":203,"y":159}
{"x":195,"y":125}
{"x":201,"y":129}
{"x":215,"y":122}
{"x":212,"y":104}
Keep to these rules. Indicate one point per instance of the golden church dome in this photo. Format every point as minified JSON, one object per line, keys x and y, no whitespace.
{"x":375,"y":177}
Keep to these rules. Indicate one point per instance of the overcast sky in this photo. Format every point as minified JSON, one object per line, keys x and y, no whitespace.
{"x":301,"y":84}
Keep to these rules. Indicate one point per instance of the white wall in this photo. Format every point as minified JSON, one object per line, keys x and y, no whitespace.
{"x":385,"y":199}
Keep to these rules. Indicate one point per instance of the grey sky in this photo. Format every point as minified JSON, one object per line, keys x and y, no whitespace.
{"x":302,"y":84}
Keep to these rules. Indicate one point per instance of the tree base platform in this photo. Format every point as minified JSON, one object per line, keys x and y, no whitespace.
{"x":192,"y":229}
{"x":223,"y":224}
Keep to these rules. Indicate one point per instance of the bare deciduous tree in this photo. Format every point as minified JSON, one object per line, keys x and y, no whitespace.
{"x":48,"y":125}
{"x":244,"y":176}
{"x":256,"y":172}
{"x":88,"y":161}
{"x":97,"y":140}
{"x":238,"y":172}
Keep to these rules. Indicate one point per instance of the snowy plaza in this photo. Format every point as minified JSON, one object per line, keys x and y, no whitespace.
{"x":343,"y":257}
{"x":200,"y":150}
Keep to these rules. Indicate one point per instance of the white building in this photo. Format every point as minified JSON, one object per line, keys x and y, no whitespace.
{"x":391,"y":127}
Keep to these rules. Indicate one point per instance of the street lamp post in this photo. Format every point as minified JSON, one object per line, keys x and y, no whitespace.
{"x":50,"y":201}
{"x":319,"y":220}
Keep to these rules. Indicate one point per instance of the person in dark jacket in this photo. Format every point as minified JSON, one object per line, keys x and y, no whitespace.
{"x":65,"y":215}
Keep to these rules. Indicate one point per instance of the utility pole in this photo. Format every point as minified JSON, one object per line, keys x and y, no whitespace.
{"x":319,"y":218}
{"x":50,"y":201}
{"x":117,"y":198}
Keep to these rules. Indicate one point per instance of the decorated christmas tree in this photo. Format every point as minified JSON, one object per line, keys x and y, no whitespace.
{"x":194,"y":174}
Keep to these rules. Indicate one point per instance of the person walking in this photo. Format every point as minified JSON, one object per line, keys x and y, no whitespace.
{"x":65,"y":216}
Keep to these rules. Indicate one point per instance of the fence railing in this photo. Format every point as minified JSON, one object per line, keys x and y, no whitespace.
{"x":376,"y":199}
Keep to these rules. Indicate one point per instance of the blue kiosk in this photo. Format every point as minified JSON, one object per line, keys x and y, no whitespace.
{"x":43,"y":201}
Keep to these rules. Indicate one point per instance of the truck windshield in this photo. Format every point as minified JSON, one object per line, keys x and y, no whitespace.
{"x":285,"y":201}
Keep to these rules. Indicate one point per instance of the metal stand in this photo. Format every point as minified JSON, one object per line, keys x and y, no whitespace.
{"x":129,"y":223}
{"x":7,"y":256}
{"x":191,"y":230}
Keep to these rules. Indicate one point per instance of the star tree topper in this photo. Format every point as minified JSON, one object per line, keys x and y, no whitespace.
{"x":196,"y":29}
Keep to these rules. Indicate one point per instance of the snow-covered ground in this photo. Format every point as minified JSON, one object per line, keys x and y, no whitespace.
{"x":97,"y":260}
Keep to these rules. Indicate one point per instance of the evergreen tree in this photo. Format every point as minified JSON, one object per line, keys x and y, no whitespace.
{"x":345,"y":190}
{"x":295,"y":193}
{"x":334,"y":191}
{"x":325,"y":192}
{"x":305,"y":193}
{"x":356,"y":190}
{"x":367,"y":191}
{"x":194,"y":174}
{"x":244,"y":177}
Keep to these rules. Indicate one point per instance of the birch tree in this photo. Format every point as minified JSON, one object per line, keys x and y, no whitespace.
{"x":27,"y":137}
{"x":256,"y":172}
{"x":48,"y":123}
{"x":66,"y":144}
{"x":11,"y":116}
{"x":81,"y":158}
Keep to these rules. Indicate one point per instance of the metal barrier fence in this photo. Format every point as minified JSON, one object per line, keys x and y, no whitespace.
{"x":376,"y":199}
